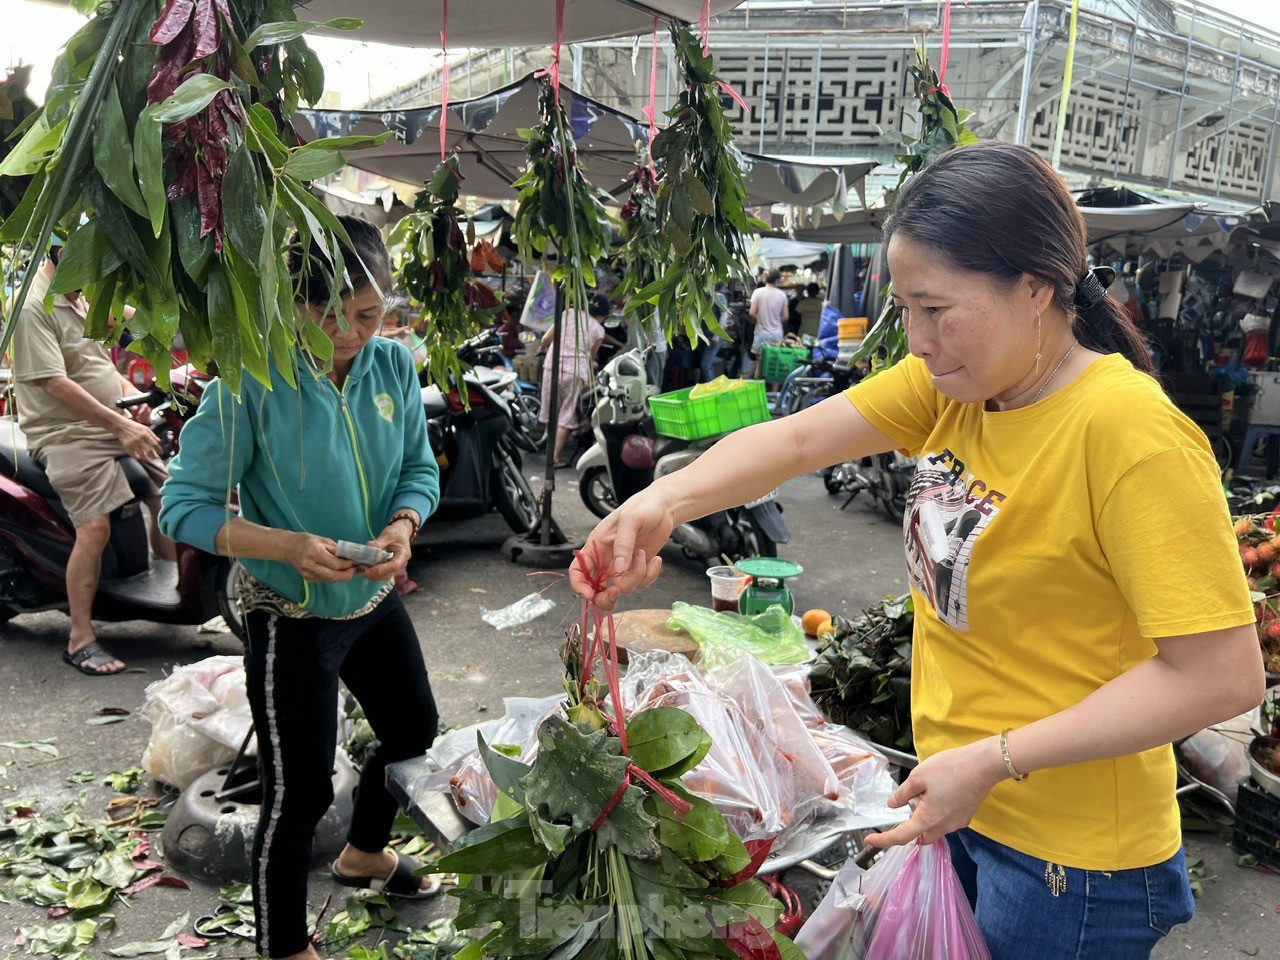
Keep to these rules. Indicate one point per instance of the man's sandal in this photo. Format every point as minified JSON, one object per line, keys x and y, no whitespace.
{"x":89,"y":658}
{"x":400,"y":882}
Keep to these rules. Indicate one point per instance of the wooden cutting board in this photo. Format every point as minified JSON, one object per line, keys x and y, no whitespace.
{"x":640,"y":631}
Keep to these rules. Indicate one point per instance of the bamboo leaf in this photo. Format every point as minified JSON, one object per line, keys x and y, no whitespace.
{"x":310,"y":164}
{"x":149,"y":158}
{"x":242,"y":212}
{"x":195,"y":93}
{"x":286,"y":30}
{"x":112,"y":156}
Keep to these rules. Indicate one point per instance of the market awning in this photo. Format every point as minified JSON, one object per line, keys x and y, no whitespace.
{"x":503,"y":23}
{"x":485,"y":132}
{"x":1160,"y":228}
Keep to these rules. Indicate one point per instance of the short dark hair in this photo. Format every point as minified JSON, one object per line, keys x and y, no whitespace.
{"x":599,"y":305}
{"x":1001,"y":210}
{"x":773,"y":276}
{"x":366,"y":261}
{"x":813,"y":290}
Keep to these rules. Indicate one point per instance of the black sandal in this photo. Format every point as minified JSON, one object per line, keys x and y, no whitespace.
{"x":400,"y":882}
{"x":89,"y":658}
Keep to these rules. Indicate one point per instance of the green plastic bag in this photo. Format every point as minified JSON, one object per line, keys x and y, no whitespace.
{"x":771,"y":637}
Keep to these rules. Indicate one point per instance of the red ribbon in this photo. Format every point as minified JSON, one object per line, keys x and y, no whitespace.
{"x":704,"y":24}
{"x":444,"y":83}
{"x":555,"y":51}
{"x":735,"y":96}
{"x":946,"y":51}
{"x":593,"y":627}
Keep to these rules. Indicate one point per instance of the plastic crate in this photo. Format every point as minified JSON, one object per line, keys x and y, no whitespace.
{"x":1258,"y":825}
{"x":776,"y":362}
{"x":675,"y":415}
{"x":852,"y":328}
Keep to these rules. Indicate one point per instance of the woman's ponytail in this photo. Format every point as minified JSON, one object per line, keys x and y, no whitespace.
{"x":1102,"y":326}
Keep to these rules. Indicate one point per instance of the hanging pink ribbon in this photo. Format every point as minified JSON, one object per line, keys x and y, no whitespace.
{"x":555,"y":51}
{"x":704,"y":24}
{"x":946,"y":50}
{"x":651,"y":111}
{"x":735,"y":96}
{"x":444,"y":83}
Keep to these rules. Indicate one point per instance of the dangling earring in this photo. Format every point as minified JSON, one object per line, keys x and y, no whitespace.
{"x":1039,"y":341}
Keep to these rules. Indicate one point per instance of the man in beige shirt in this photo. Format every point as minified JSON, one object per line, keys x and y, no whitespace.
{"x":66,"y":391}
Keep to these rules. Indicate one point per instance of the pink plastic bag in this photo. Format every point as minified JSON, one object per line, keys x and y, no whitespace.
{"x":924,"y":913}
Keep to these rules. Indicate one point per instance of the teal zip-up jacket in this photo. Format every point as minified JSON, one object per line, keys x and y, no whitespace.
{"x":314,"y":460}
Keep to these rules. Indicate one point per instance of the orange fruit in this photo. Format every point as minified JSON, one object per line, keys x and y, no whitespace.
{"x":813,"y":619}
{"x":825,"y":630}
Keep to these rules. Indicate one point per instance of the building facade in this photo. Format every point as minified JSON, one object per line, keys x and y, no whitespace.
{"x":1166,"y":94}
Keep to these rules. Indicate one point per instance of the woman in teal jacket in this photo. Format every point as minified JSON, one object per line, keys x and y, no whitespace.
{"x":341,"y":456}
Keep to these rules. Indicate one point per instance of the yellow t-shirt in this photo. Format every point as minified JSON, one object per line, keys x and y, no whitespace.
{"x":1047,"y":547}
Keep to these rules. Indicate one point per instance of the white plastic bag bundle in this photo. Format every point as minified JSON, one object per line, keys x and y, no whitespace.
{"x":199,"y":716}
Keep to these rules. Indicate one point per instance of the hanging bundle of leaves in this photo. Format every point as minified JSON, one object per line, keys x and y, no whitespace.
{"x":189,"y":196}
{"x":861,"y":673}
{"x":940,"y":127}
{"x":440,"y":276}
{"x":643,"y":249}
{"x":701,"y":202}
{"x":559,"y":209}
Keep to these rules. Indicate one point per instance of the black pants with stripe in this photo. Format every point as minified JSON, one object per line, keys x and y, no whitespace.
{"x":292,"y":669}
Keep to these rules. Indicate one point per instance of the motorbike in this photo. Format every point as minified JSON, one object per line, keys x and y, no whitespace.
{"x":36,"y":537}
{"x":484,"y":351}
{"x":885,"y":476}
{"x":627,"y":457}
{"x":169,"y":411}
{"x":477,"y":444}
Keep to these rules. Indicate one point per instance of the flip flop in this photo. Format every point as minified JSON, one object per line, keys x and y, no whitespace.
{"x":400,"y":882}
{"x":89,"y":658}
{"x":560,"y":465}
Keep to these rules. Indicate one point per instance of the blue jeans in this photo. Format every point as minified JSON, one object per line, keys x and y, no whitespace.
{"x":1097,"y":915}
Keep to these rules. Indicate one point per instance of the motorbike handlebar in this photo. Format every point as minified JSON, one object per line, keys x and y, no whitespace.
{"x":150,"y":398}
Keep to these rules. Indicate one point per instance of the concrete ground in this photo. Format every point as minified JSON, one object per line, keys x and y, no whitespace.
{"x":852,"y":558}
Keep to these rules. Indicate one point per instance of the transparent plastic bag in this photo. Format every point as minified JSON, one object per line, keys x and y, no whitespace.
{"x":723,"y":637}
{"x":746,"y":792}
{"x":829,"y":933}
{"x":522,"y":611}
{"x":779,"y":739}
{"x":199,"y":716}
{"x":462,"y":772}
{"x":923,"y":913}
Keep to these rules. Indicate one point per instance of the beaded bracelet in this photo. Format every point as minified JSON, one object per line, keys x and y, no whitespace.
{"x":409,"y":515}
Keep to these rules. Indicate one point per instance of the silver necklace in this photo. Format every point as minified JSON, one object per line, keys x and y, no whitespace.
{"x":1074,"y":344}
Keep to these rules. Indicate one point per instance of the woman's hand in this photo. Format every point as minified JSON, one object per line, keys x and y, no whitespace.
{"x":947,"y":789}
{"x":394,"y":537}
{"x":316,"y":558}
{"x":621,"y":555}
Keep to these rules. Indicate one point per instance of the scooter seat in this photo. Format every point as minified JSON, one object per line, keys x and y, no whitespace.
{"x":433,"y":402}
{"x":665,"y":445}
{"x":20,"y":466}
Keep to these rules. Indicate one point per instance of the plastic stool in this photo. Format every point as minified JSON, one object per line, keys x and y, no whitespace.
{"x":1253,"y":433}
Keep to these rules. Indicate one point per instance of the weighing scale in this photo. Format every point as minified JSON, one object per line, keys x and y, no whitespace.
{"x":768,"y":586}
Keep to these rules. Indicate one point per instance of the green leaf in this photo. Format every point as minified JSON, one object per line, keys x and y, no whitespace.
{"x":242,"y":213}
{"x":286,"y":30}
{"x":226,"y":327}
{"x":32,"y":151}
{"x":576,"y":776}
{"x":305,"y":163}
{"x":501,"y":846}
{"x":81,"y":776}
{"x":85,"y":894}
{"x":350,"y":143}
{"x":698,"y":195}
{"x":754,"y":899}
{"x":666,"y":742}
{"x":103,"y":721}
{"x":83,"y":257}
{"x":266,"y":139}
{"x":195,"y":93}
{"x":505,"y":771}
{"x":42,"y":746}
{"x":112,"y":155}
{"x":699,"y":835}
{"x":149,"y":157}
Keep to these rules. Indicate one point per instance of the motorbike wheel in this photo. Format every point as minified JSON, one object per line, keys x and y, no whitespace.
{"x":596,"y":491}
{"x":526,"y":408}
{"x":226,"y":579}
{"x":894,"y":507}
{"x":829,"y":481}
{"x":514,"y":497}
{"x":752,"y":540}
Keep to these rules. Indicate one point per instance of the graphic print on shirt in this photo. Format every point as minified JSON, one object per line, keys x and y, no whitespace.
{"x":947,"y":510}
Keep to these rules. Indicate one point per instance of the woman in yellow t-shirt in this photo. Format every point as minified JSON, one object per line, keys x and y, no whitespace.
{"x":1080,"y":602}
